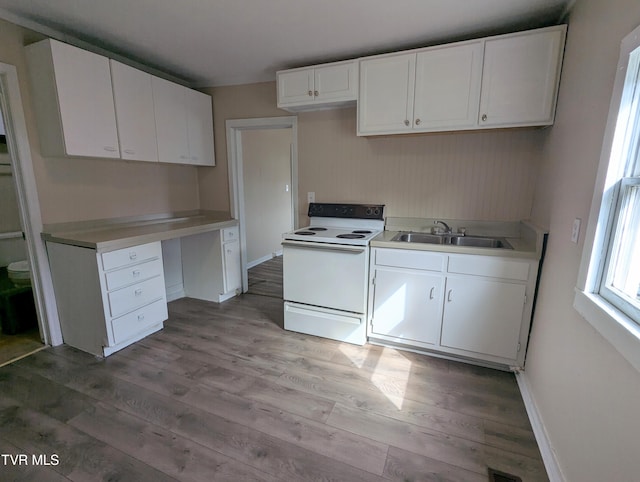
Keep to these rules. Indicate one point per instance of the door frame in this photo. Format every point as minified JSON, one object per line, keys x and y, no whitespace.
{"x":234,"y":128}
{"x":28,"y":204}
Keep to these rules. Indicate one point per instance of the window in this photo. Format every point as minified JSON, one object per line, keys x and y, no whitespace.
{"x":608,"y":291}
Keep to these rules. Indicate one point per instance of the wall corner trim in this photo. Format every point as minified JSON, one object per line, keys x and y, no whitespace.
{"x":539,"y":430}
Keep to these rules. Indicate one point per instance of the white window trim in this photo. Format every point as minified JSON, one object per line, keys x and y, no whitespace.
{"x":622,"y":332}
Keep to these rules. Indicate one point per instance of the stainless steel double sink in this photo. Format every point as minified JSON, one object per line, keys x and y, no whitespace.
{"x":453,"y":240}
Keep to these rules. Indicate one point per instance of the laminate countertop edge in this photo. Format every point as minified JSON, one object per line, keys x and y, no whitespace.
{"x":113,"y":235}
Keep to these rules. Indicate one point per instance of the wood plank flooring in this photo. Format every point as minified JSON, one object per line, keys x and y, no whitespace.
{"x":224,"y":393}
{"x":265,"y":279}
{"x":20,"y":344}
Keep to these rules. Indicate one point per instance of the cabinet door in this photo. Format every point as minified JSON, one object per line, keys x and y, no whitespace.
{"x":231,"y":266}
{"x":520,"y":78}
{"x":407,"y":305}
{"x":385,"y":101}
{"x":200,"y":128}
{"x":295,"y":87}
{"x":171,"y":120}
{"x":483,"y":316}
{"x":85,"y":98}
{"x":447,"y":89}
{"x":335,"y":82}
{"x":134,"y":112}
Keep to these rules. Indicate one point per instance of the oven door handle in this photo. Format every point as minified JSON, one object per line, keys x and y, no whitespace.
{"x":343,"y":248}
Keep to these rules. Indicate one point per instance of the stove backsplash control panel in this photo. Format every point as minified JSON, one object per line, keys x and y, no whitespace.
{"x":334,"y":210}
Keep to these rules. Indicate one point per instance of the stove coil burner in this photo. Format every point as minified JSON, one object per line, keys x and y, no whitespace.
{"x":361,"y":231}
{"x":350,"y":236}
{"x":305,"y":233}
{"x":317,"y":229}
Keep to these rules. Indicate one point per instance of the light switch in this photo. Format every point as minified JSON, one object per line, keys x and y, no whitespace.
{"x":575,"y":230}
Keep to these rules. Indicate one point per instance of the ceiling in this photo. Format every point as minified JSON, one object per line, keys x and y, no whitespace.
{"x":221,"y":42}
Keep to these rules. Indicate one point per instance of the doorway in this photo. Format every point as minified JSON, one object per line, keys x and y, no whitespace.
{"x":28,"y":306}
{"x":262,"y":157}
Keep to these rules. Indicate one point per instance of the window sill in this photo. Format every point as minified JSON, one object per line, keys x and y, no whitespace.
{"x":613,"y":325}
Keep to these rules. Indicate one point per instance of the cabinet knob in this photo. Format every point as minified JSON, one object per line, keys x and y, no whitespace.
{"x":406,"y":122}
{"x":310,"y":93}
{"x":138,"y":292}
{"x":418,"y":121}
{"x":315,"y":93}
{"x":484,"y":117}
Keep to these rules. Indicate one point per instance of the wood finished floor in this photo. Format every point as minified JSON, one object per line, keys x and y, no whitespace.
{"x":224,"y":393}
{"x":265,"y":279}
{"x":20,"y":344}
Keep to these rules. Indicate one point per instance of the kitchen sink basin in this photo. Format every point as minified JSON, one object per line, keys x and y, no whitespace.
{"x":420,"y":238}
{"x":455,"y":240}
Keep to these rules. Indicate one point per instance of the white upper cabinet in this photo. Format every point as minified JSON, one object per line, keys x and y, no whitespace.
{"x":171,"y":121}
{"x":447,"y":87}
{"x":504,"y":81}
{"x":73,"y":99}
{"x":199,"y":128}
{"x":385,"y":101}
{"x":520,"y":78}
{"x":134,"y":112}
{"x":90,"y":106}
{"x":318,"y":87}
{"x":184,"y":123}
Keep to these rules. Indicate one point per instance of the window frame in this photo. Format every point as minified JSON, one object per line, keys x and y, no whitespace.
{"x":606,"y":317}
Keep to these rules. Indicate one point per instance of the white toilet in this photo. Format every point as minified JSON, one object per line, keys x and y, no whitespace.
{"x":19,"y":273}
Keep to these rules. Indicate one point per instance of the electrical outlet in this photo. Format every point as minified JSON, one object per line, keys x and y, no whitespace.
{"x":311,"y":197}
{"x":575,"y":230}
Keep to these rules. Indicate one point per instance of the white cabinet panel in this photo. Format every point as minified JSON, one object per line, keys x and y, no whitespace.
{"x":483,"y":316}
{"x":73,"y":99}
{"x":171,"y":121}
{"x":448,"y":87}
{"x":407,"y":305}
{"x":199,"y":128}
{"x":335,"y":82}
{"x":295,"y":87}
{"x":385,"y":102}
{"x":134,"y":112}
{"x":520,"y":78}
{"x":231,"y":266}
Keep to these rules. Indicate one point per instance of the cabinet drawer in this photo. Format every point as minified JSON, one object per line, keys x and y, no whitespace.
{"x":489,"y":266}
{"x":404,"y":258}
{"x":133,"y":274}
{"x":127,"y":299}
{"x":134,"y":254}
{"x":128,"y":325}
{"x":230,"y":234}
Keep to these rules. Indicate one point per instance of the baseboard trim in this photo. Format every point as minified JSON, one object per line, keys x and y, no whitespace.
{"x":267,"y":257}
{"x":548,"y":455}
{"x":175,"y":292}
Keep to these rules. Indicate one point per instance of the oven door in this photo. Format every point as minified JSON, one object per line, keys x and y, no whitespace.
{"x":327,"y":275}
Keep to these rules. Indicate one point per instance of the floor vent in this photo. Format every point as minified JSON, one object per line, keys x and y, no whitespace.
{"x":497,"y":476}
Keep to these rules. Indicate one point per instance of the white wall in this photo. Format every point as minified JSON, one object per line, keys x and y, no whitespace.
{"x":587,"y":394}
{"x":266,"y":165}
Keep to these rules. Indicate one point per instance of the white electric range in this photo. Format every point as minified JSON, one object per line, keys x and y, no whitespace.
{"x":326,"y":271}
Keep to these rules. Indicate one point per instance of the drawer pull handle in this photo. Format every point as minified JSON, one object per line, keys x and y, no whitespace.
{"x":431,"y":292}
{"x":133,"y":255}
{"x":138,"y":292}
{"x":136,"y":273}
{"x":129,"y":151}
{"x":449,"y":295}
{"x":110,"y":149}
{"x":141,"y":317}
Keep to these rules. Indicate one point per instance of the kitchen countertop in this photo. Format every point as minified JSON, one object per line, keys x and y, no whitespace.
{"x":116,"y":233}
{"x":525,"y":238}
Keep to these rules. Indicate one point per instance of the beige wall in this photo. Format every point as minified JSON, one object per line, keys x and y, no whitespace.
{"x":79,"y":189}
{"x":266,"y":167}
{"x":482,"y":175}
{"x":586,"y":392}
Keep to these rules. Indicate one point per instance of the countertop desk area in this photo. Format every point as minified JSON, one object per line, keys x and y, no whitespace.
{"x":113,"y":277}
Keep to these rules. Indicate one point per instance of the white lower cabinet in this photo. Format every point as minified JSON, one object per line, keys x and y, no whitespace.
{"x":211,"y":265}
{"x":472,"y":307}
{"x":106,"y":301}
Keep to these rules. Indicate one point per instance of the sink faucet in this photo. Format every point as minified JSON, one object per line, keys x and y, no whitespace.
{"x":447,"y":229}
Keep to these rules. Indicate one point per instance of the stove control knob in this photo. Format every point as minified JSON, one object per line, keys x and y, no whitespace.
{"x":376,"y":211}
{"x":369,"y":211}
